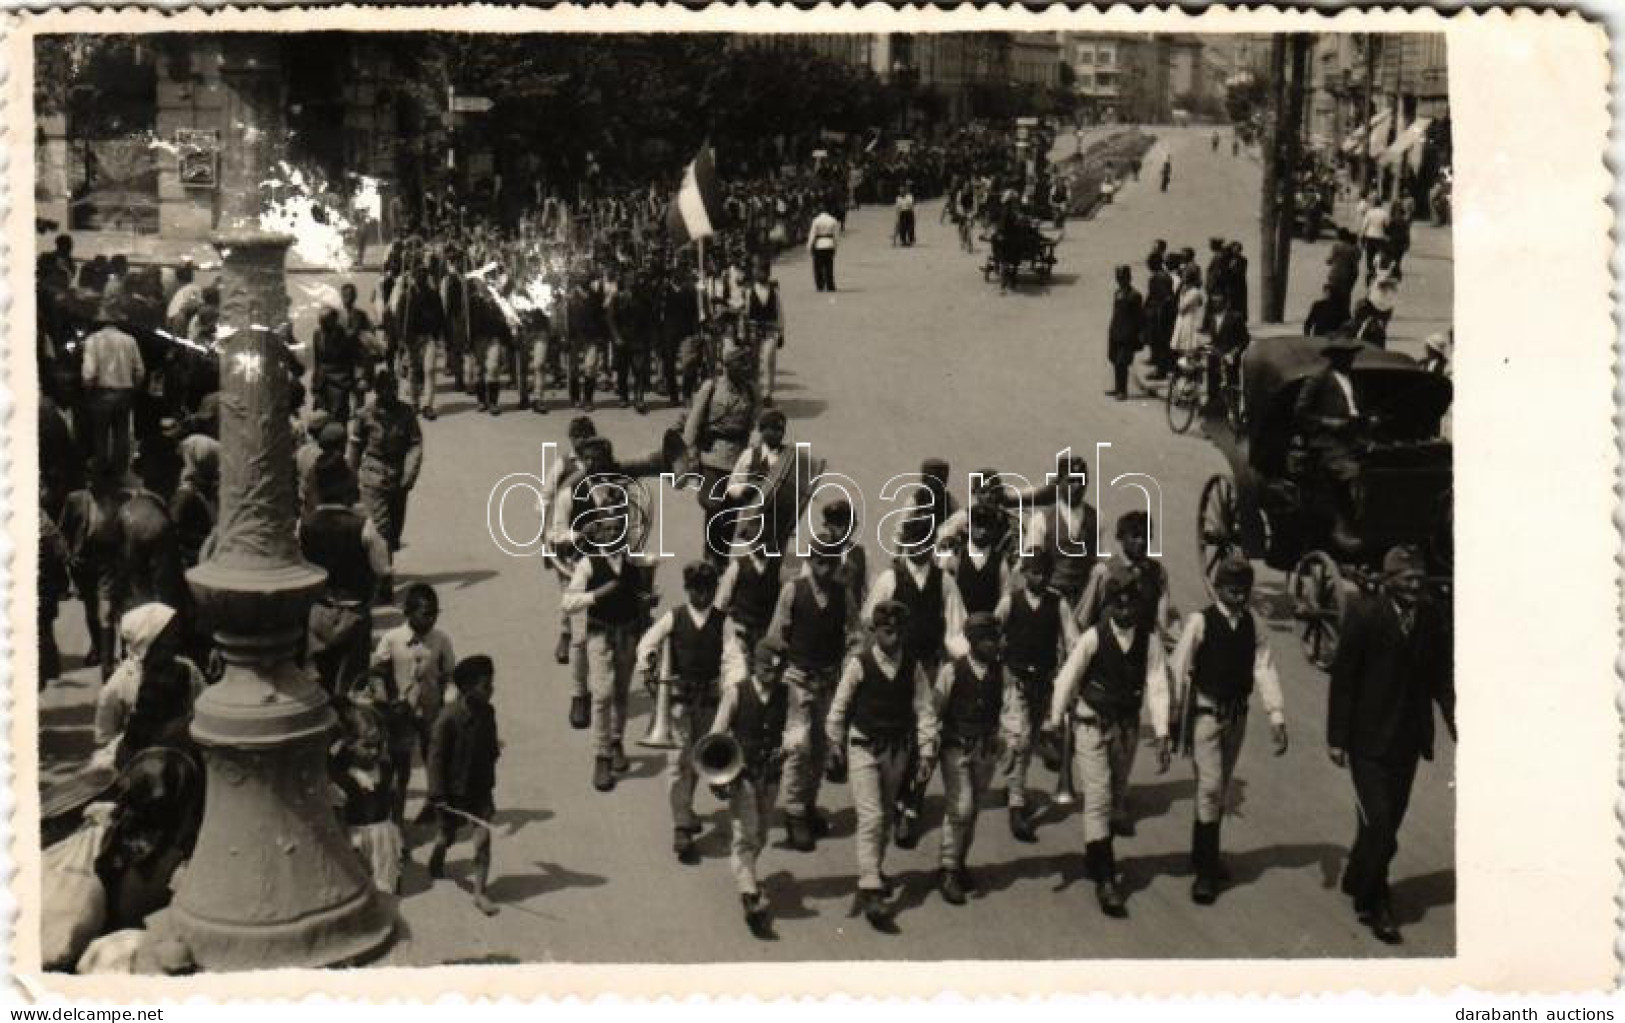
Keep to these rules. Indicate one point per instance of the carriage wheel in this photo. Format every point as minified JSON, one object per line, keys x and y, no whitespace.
{"x":1218,"y":523}
{"x":1182,"y":398}
{"x":1318,"y":599}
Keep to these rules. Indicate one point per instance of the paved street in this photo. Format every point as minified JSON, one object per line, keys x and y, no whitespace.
{"x":914,"y":356}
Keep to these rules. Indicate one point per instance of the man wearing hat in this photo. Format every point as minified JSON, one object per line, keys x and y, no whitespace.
{"x":613,"y":586}
{"x":386,"y":452}
{"x":1115,"y":672}
{"x":1327,"y":415}
{"x":1221,"y":660}
{"x":684,"y":649}
{"x":752,"y":709}
{"x":1392,"y":665}
{"x":334,"y":536}
{"x":716,"y":432}
{"x":1125,"y":331}
{"x":975,"y":705}
{"x":883,"y":711}
{"x":936,"y":619}
{"x":749,"y":479}
{"x":111,"y":369}
{"x":811,"y":620}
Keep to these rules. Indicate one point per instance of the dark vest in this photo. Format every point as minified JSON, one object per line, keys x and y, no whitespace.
{"x":621,"y":607}
{"x":696,"y":652}
{"x":759,"y":726}
{"x":973,"y":704}
{"x":1114,"y":685}
{"x":1071,"y":566}
{"x":926,"y":627}
{"x":763,"y":312}
{"x":817,"y":634}
{"x":330,"y":538}
{"x":1031,"y":635}
{"x":755,"y":593}
{"x":980,"y":588}
{"x":883,"y":708}
{"x":1224,"y":661}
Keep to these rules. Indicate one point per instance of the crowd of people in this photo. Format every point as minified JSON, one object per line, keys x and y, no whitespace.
{"x":999,"y":644}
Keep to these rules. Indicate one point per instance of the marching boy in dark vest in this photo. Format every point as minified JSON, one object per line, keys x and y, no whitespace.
{"x":1114,"y":672}
{"x":976,"y":702}
{"x":612,"y":587}
{"x":882,"y":709}
{"x":1221,"y":659}
{"x":936,"y":618}
{"x":1037,"y":631}
{"x":980,"y":568}
{"x":693,"y":638}
{"x":810,"y":619}
{"x":747,"y":593}
{"x":752,"y":710}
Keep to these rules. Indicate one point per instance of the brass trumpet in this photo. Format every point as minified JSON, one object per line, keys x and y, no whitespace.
{"x":1066,"y":792}
{"x":661,"y":735}
{"x":719,"y":759}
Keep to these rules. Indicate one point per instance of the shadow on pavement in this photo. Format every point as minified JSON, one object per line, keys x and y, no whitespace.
{"x":1414,"y":896}
{"x":550,"y":877}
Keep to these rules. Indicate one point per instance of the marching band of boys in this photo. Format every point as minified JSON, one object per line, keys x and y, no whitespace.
{"x":987,"y":641}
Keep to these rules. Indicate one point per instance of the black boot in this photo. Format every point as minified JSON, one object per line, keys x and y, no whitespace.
{"x":493,"y":398}
{"x":1204,"y":854}
{"x":479,"y":395}
{"x":1103,"y":868}
{"x":580,"y":711}
{"x":756,"y":915}
{"x":1021,"y":826}
{"x":952,"y":891}
{"x":798,"y":832}
{"x":603,"y":777}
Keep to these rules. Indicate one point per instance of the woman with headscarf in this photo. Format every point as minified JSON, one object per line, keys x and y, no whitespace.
{"x":128,"y":717}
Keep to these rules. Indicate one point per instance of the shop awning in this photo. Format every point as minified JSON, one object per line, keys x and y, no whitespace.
{"x":1368,"y":136}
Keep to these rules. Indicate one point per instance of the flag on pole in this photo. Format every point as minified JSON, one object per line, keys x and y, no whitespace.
{"x":698,"y":208}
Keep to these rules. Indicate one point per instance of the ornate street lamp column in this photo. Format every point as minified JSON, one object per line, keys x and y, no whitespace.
{"x":273,"y":881}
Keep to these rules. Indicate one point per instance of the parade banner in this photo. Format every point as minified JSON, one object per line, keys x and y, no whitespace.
{"x":698,"y":208}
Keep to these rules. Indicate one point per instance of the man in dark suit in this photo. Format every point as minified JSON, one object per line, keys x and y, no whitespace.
{"x":1124,"y":333}
{"x":1327,"y":415}
{"x":1392,"y":665}
{"x":1230,"y":340}
{"x":1160,"y":310}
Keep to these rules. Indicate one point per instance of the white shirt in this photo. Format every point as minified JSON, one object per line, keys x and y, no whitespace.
{"x":905,"y":201}
{"x":1265,"y":680}
{"x":1374,"y":224}
{"x":823,"y":231}
{"x":1076,"y":667}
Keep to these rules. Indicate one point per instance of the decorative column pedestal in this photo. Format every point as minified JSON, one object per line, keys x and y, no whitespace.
{"x":273,"y":882}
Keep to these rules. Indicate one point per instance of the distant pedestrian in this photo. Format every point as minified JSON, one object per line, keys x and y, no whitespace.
{"x":821,"y":243}
{"x":1167,"y":171}
{"x":1342,"y":273}
{"x":1373,"y":236}
{"x":903,"y":234}
{"x":1125,"y":331}
{"x":112,"y":369}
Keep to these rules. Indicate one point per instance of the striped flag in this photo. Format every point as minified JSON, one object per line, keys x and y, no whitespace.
{"x":697,"y":212}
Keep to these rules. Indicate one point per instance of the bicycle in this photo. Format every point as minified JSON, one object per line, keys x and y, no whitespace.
{"x":1188,"y":387}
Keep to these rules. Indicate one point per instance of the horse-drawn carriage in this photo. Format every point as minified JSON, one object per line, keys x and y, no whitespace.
{"x":1280,"y":505}
{"x":1020,"y":242}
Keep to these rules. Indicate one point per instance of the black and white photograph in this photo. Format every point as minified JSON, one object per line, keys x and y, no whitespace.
{"x":741,"y":497}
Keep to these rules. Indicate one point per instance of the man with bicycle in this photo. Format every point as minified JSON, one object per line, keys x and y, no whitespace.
{"x":1230,"y":340}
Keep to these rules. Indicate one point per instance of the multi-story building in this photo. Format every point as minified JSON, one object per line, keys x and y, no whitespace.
{"x":155,"y":168}
{"x":1035,"y":58}
{"x":1134,"y":76}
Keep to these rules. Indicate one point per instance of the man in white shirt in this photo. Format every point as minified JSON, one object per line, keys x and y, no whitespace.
{"x":904,"y":234}
{"x":821,"y":243}
{"x":112,"y":369}
{"x":1373,"y":235}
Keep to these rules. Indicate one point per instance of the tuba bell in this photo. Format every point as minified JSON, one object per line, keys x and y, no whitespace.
{"x":719,"y":759}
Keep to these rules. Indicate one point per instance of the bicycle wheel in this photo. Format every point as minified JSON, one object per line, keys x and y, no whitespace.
{"x":1183,"y":397}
